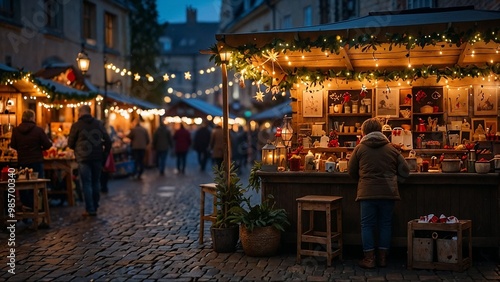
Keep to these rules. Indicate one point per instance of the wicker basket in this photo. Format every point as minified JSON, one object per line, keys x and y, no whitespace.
{"x":426,"y":109}
{"x":261,"y":242}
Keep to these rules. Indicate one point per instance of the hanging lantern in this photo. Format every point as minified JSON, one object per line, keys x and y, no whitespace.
{"x":269,"y":157}
{"x":280,"y":155}
{"x":287,"y":131}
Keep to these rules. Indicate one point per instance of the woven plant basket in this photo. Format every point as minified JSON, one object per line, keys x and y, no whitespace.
{"x":261,"y":242}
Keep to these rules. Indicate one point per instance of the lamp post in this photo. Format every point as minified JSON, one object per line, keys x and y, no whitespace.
{"x":224,"y":57}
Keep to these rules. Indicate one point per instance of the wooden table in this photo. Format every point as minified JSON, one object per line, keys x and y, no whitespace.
{"x":40,"y":210}
{"x":66,"y":166}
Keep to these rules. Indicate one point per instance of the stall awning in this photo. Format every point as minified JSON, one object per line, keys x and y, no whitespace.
{"x":276,"y":112}
{"x":63,"y":92}
{"x":451,"y":43}
{"x":145,"y":105}
{"x":194,"y":108}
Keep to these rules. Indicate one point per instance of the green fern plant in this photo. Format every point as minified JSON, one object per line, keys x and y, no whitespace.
{"x":260,"y":215}
{"x":227,"y":197}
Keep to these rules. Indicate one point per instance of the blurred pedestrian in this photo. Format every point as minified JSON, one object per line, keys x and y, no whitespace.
{"x":217,"y":145}
{"x":29,"y":141}
{"x":105,"y":174}
{"x":139,"y":141}
{"x":91,"y":143}
{"x":377,"y":167}
{"x":182,"y":139}
{"x":162,"y":142}
{"x":201,"y":145}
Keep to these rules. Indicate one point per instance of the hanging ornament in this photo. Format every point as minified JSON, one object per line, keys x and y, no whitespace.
{"x":187,"y":75}
{"x":165,"y":77}
{"x":259,"y":96}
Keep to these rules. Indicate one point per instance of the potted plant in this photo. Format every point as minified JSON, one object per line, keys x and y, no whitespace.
{"x":260,"y":225}
{"x":224,"y":232}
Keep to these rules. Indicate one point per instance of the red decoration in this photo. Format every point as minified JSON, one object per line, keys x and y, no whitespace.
{"x":71,"y":75}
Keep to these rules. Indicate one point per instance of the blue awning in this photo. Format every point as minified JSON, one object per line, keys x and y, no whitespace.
{"x":198,"y":105}
{"x":276,"y":112}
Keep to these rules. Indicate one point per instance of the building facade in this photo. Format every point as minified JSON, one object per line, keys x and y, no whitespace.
{"x":49,"y":33}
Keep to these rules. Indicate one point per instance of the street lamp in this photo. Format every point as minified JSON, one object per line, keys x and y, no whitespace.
{"x":224,"y":57}
{"x":83,"y":61}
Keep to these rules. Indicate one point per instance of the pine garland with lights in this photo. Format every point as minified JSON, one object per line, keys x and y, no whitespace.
{"x":243,"y":56}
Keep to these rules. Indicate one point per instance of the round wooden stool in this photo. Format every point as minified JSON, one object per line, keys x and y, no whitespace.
{"x":210,"y":189}
{"x":319,"y":203}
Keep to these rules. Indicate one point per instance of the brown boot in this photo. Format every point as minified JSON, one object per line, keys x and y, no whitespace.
{"x":382,"y":258}
{"x":368,"y":261}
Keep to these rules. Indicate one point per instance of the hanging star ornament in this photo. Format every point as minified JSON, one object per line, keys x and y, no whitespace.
{"x":259,"y":96}
{"x":165,"y":77}
{"x":187,"y":76}
{"x":137,"y":77}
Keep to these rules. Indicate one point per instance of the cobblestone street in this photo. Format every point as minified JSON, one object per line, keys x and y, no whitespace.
{"x":147,"y":230}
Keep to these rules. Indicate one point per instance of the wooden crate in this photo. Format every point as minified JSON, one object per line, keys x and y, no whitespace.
{"x":450,"y":255}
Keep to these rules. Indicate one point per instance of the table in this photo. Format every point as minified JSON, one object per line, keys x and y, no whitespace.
{"x":66,"y":166}
{"x":37,"y":185}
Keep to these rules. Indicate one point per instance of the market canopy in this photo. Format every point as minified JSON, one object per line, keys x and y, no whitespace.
{"x":193,"y":108}
{"x":451,"y":43}
{"x":276,"y":112}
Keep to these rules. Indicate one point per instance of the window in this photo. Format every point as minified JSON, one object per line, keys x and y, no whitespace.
{"x":54,"y":14}
{"x":308,"y":16}
{"x":287,"y":22}
{"x":166,"y":43}
{"x":348,"y":9}
{"x":89,"y":19}
{"x":110,"y":31}
{"x":415,"y":4}
{"x":7,"y":8}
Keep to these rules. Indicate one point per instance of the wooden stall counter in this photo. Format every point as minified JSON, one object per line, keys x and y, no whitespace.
{"x":470,"y":196}
{"x":66,"y":167}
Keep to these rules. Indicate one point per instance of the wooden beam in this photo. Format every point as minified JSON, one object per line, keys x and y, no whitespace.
{"x":346,"y":58}
{"x":461,"y":58}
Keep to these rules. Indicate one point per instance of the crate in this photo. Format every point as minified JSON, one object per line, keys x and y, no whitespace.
{"x":450,"y":255}
{"x":423,"y":249}
{"x":447,"y":250}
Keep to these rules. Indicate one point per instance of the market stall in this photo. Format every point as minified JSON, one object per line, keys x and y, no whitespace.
{"x":431,"y":76}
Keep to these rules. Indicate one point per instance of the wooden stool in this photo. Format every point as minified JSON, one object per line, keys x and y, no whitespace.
{"x":40,"y":209}
{"x":325,"y":204}
{"x":207,"y":188}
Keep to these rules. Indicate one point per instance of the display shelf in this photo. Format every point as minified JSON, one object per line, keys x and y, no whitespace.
{"x":429,"y":114}
{"x":351,"y":115}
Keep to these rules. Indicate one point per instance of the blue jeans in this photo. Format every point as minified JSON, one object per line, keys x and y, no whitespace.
{"x":181,"y":161}
{"x":162,"y":159}
{"x":376,"y":215}
{"x":90,"y":175}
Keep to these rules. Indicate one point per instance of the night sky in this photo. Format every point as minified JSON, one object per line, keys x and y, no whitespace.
{"x":174,"y":11}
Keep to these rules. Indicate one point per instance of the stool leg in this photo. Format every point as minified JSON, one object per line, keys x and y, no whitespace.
{"x":46,"y":205}
{"x":299,"y":231}
{"x":35,"y":207}
{"x":202,"y":213}
{"x":328,"y":236}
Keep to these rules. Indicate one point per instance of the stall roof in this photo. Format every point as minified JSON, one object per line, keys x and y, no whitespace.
{"x":452,"y":42}
{"x":181,"y":108}
{"x":276,"y":112}
{"x":130,"y":100}
{"x":64,"y":92}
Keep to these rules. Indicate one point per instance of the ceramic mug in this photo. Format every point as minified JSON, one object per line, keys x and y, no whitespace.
{"x":330,"y":166}
{"x":342,"y":166}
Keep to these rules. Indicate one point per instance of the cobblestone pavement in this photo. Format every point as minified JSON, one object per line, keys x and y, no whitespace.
{"x":148,"y":231}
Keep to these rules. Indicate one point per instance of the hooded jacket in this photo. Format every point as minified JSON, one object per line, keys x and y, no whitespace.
{"x":30,"y":141}
{"x":378,"y":167}
{"x":89,"y":139}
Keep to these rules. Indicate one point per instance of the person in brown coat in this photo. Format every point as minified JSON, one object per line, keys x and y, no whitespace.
{"x":378,"y":167}
{"x":217,"y":145}
{"x":29,"y":140}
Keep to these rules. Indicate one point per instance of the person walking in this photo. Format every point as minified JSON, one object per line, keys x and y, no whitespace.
{"x":378,"y":167}
{"x":139,"y":141}
{"x":182,"y":139}
{"x":201,"y":143}
{"x":217,"y":146}
{"x":162,"y":141}
{"x":91,"y":143}
{"x":29,"y":141}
